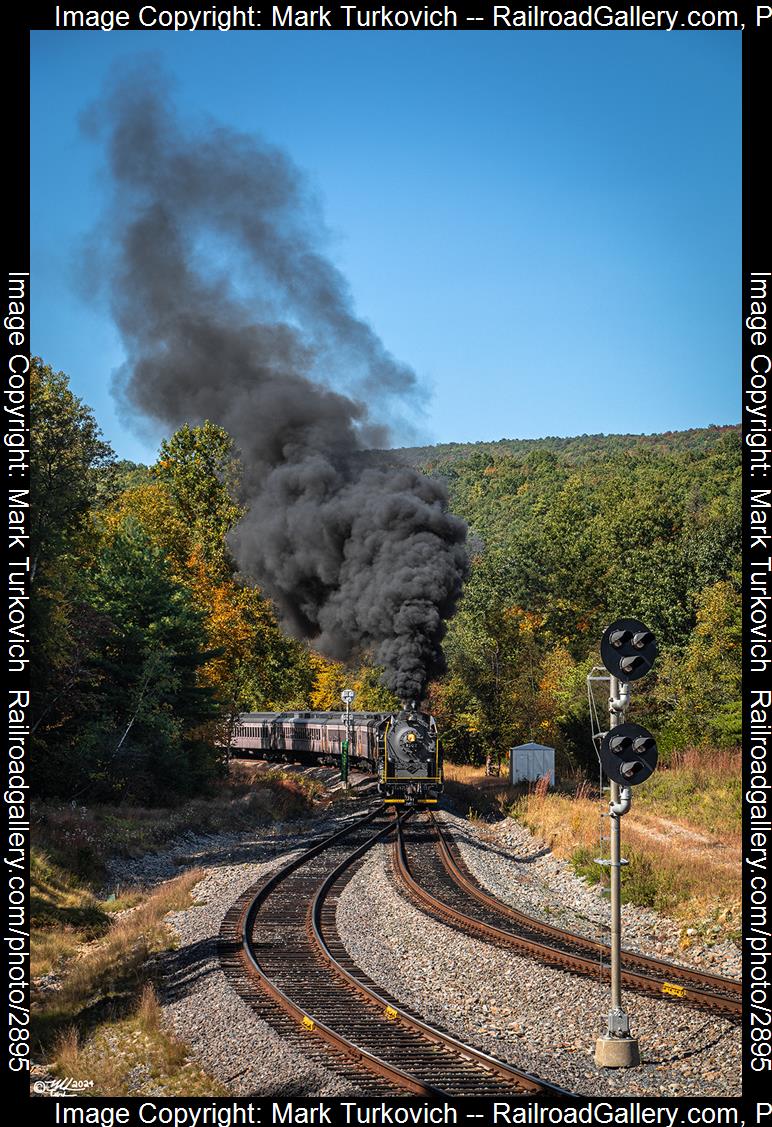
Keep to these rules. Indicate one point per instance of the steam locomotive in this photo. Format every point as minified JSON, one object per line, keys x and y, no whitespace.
{"x":402,"y":748}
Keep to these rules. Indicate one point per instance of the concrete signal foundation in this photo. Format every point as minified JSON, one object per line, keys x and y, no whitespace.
{"x":617,"y":1052}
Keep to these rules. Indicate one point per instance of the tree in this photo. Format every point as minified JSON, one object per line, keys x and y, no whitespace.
{"x":200,"y":472}
{"x":142,"y":740}
{"x":151,"y":506}
{"x":253,"y":666}
{"x":576,"y":532}
{"x":371,"y":694}
{"x":493,"y":652}
{"x":66,"y":455}
{"x":698,"y":687}
{"x":329,"y":682}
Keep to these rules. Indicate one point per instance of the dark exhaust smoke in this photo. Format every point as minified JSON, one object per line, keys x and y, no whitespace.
{"x":228,"y":311}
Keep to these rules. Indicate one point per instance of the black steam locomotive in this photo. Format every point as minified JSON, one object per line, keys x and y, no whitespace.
{"x":402,"y":748}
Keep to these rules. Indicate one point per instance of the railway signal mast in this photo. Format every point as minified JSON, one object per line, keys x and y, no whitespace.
{"x":628,"y":755}
{"x":347,"y":696}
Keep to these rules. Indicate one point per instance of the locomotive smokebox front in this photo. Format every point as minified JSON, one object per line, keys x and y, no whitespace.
{"x":411,"y":747}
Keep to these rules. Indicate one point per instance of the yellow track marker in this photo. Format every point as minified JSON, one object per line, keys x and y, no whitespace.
{"x":671,"y":988}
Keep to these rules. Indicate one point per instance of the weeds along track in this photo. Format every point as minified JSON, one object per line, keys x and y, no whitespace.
{"x":280,"y":947}
{"x":429,"y":866}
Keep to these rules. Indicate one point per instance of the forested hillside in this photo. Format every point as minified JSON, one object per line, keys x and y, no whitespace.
{"x":148,"y":640}
{"x":572,"y":450}
{"x":566,"y":535}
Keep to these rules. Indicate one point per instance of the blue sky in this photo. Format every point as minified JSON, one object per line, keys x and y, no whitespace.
{"x":545,"y":225}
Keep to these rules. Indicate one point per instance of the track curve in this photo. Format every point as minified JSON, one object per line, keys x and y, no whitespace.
{"x":435,"y":876}
{"x":279,"y":943}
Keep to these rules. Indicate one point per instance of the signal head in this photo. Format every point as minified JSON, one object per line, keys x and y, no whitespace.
{"x":628,"y":754}
{"x":628,"y":649}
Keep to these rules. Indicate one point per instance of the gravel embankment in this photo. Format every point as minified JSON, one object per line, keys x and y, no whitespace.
{"x":538,"y":1018}
{"x":522,"y":872}
{"x":224,"y":1034}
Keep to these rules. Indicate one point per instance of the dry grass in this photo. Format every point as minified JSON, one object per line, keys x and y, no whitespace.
{"x":50,"y":948}
{"x":701,"y":790}
{"x":85,"y":1023}
{"x":477,"y":794}
{"x":65,"y":914}
{"x":132,"y":1055}
{"x":80,"y":839}
{"x":148,"y":1010}
{"x":112,"y":966}
{"x":100,"y":1019}
{"x":675,"y":867}
{"x":67,"y":1052}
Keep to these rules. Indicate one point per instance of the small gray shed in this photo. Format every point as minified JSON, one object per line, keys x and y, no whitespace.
{"x":530,"y":762}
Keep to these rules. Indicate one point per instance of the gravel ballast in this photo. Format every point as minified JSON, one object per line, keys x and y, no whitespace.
{"x":521,"y":871}
{"x":224,"y":1034}
{"x":538,"y":1018}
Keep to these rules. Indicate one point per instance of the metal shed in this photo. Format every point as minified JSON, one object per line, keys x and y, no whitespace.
{"x":530,"y":761}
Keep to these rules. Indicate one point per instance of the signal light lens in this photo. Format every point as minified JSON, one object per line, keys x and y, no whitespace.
{"x":642,"y":639}
{"x":620,"y":744}
{"x":643,"y":744}
{"x":619,"y":638}
{"x":631,"y":769}
{"x":632,"y":664}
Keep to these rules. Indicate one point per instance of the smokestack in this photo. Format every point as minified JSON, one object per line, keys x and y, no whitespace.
{"x":229,"y":311}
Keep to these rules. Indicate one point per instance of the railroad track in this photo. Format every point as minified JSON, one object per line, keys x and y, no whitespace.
{"x":429,"y":865}
{"x":280,"y":946}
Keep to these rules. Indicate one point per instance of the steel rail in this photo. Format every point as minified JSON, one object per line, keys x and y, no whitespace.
{"x":240,"y":967}
{"x":394,"y":1012}
{"x":457,"y":870}
{"x":421,"y":1060}
{"x":307,"y":1020}
{"x":546,"y":952}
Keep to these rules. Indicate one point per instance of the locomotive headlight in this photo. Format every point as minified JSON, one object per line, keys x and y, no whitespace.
{"x":410,"y":737}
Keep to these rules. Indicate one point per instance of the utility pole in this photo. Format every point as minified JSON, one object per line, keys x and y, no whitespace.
{"x":628,"y":755}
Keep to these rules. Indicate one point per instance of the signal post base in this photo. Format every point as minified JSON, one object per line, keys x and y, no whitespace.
{"x":617,"y":1052}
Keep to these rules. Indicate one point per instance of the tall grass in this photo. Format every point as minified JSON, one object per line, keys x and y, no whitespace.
{"x":475,"y":793}
{"x":113,"y":967}
{"x":701,"y":789}
{"x":99,"y":1019}
{"x":82,"y":838}
{"x":683,"y":849}
{"x":126,"y":1055}
{"x":65,"y":912}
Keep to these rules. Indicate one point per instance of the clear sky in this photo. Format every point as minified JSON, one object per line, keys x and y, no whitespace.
{"x":545,"y":225}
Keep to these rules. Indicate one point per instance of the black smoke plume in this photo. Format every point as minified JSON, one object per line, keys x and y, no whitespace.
{"x":229,"y":311}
